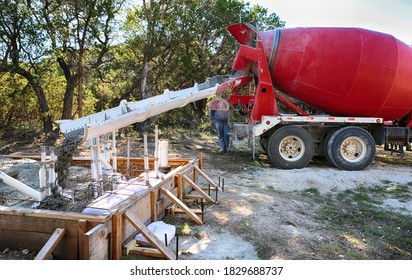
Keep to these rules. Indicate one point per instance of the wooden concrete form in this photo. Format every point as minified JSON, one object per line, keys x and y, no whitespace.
{"x":102,"y":236}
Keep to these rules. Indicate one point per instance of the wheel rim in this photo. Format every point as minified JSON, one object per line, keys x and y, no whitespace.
{"x":353,"y":149}
{"x":291,"y":148}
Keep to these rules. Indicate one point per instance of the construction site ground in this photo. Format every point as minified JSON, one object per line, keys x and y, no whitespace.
{"x":318,"y":212}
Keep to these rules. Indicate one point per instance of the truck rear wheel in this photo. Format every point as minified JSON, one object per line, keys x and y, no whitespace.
{"x":351,"y":148}
{"x":263,"y":141}
{"x":325,"y":148}
{"x":290,"y":147}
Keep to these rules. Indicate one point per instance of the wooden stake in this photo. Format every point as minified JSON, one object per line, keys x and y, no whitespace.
{"x":51,"y":244}
{"x":197,"y":188}
{"x":180,"y":186}
{"x":200,"y":160}
{"x":203,"y":174}
{"x":117,"y":235}
{"x":150,"y":236}
{"x":83,"y":255}
{"x":181,"y":205}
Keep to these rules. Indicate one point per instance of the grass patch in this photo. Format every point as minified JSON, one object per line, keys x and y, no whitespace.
{"x":312,"y":191}
{"x":368,"y":231}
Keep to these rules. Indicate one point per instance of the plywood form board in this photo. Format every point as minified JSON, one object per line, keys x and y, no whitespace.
{"x":153,"y":205}
{"x":31,"y":228}
{"x":99,"y":241}
{"x":140,"y":210}
{"x":34,"y":241}
{"x":83,"y":241}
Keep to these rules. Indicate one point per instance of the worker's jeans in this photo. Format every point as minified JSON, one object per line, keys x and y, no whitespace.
{"x":223,"y":129}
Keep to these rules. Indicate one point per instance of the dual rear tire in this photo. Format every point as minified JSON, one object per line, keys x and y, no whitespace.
{"x":350,"y":148}
{"x":292,"y":147}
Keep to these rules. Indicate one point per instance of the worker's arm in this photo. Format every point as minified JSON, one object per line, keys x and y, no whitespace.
{"x":211,"y":117}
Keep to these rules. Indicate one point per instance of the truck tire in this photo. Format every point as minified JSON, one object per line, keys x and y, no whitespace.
{"x":290,"y":147}
{"x":263,"y":141}
{"x":325,"y":148}
{"x":351,"y":148}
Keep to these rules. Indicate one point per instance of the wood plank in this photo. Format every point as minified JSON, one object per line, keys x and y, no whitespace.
{"x":83,"y":241}
{"x":200,"y":160}
{"x":117,"y":235}
{"x":198,"y":189}
{"x":98,"y":242}
{"x":129,"y":246}
{"x":132,"y":248}
{"x":150,"y":236}
{"x":177,"y":210}
{"x":203,"y":174}
{"x":52,"y":214}
{"x":148,"y":252}
{"x":153,"y":205}
{"x":142,"y":211}
{"x":120,"y":159}
{"x":51,"y":244}
{"x":181,"y":205}
{"x":36,"y":224}
{"x":193,"y":196}
{"x":180,"y":186}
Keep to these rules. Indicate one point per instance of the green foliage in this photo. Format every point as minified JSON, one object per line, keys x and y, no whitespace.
{"x":121,"y":51}
{"x":18,"y":103}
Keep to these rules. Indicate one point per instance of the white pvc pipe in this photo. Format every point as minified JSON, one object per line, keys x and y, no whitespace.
{"x":96,"y":166}
{"x":146,"y":159}
{"x":99,"y":163}
{"x":156,"y":152}
{"x":128,"y":158}
{"x":92,"y":165}
{"x":106,"y":149}
{"x":163,"y":147}
{"x":114,"y":151}
{"x":42,"y":170}
{"x":21,"y":187}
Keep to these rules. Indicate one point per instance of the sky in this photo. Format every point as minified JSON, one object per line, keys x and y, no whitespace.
{"x":388,"y":16}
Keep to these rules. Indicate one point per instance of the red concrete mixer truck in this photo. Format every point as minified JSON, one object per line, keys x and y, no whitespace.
{"x":360,"y":80}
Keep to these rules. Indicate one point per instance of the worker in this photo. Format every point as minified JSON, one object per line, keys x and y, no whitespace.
{"x":219,"y":117}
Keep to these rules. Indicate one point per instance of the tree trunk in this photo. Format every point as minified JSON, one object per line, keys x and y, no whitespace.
{"x":68,"y":98}
{"x":145,"y":73}
{"x":41,"y":98}
{"x":69,"y":92}
{"x":80,"y":85}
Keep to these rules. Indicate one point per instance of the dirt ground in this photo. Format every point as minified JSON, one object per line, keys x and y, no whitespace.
{"x":264,"y":212}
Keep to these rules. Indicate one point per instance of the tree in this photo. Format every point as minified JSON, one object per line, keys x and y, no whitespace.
{"x":77,"y":29}
{"x":175,"y":44}
{"x":21,"y":49}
